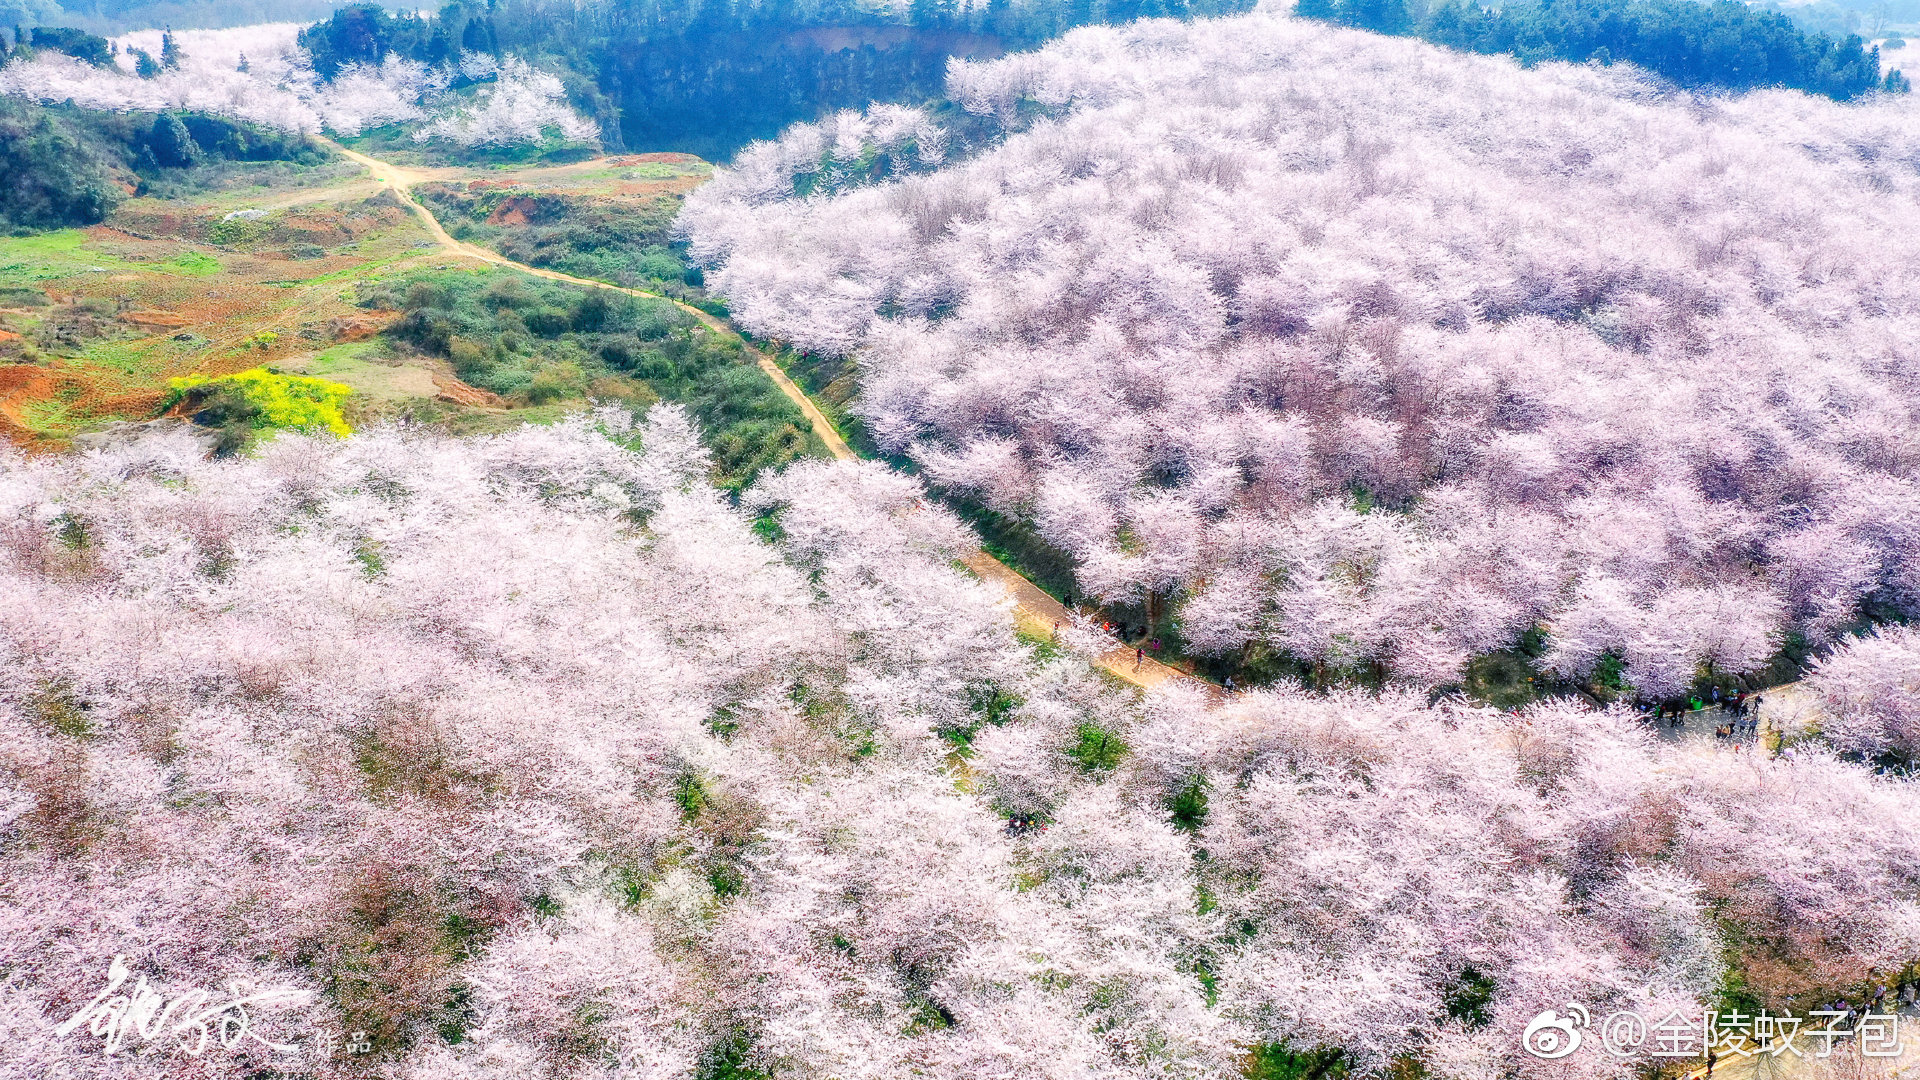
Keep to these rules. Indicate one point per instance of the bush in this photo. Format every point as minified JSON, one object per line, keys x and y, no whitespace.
{"x":260,"y":398}
{"x":550,"y":342}
{"x":557,"y":383}
{"x":57,"y":173}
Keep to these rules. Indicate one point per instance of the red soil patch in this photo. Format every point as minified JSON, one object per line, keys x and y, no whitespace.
{"x":23,"y":384}
{"x":454,"y":391}
{"x":163,"y":319}
{"x":514,"y":210}
{"x":20,"y":386}
{"x":155,"y":223}
{"x":18,"y":378}
{"x":8,"y":335}
{"x":354,"y":328}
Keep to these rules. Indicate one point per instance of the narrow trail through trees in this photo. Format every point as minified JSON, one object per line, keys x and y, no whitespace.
{"x":1034,"y":611}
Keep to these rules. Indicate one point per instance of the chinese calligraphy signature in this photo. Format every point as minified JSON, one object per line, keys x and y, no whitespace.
{"x":190,"y":1022}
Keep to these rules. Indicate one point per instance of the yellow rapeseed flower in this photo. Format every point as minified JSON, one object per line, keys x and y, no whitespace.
{"x":300,"y":402}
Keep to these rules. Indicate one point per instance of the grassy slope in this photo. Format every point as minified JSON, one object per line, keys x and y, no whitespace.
{"x":94,"y":322}
{"x":608,"y":219}
{"x":97,"y":320}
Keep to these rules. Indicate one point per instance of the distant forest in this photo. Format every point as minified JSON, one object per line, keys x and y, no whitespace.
{"x":1719,"y":44}
{"x":707,"y":78}
{"x":120,"y":16}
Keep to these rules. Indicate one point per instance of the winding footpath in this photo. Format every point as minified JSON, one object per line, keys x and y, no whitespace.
{"x":1034,"y":611}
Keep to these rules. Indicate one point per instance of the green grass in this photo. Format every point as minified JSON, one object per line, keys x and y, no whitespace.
{"x":46,"y":245}
{"x":652,"y":170}
{"x":48,"y":417}
{"x":1270,"y":1061}
{"x":1096,"y":749}
{"x":57,"y":708}
{"x":343,"y":356}
{"x":1043,"y":648}
{"x":135,"y":357}
{"x":193,"y":264}
{"x":1504,"y":679}
{"x":537,"y":342}
{"x":63,"y":253}
{"x":359,"y":364}
{"x":1188,"y":806}
{"x":358,"y":272}
{"x":50,"y":256}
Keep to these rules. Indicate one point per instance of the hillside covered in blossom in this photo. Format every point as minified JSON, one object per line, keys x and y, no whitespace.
{"x":528,"y":755}
{"x":1376,"y":355}
{"x":462,"y":674}
{"x":261,"y":74}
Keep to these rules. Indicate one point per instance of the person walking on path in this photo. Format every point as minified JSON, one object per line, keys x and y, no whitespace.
{"x":1138,"y":656}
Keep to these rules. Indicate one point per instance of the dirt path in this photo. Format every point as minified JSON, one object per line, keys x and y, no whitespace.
{"x":1037,"y":613}
{"x":1033,"y":609}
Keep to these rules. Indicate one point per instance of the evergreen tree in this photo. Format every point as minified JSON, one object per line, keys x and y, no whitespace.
{"x":478,"y":37}
{"x":172,"y":144}
{"x":169,"y":51}
{"x":78,"y":44}
{"x":1380,"y":16}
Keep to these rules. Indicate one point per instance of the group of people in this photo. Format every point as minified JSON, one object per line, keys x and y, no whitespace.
{"x":1741,"y":708}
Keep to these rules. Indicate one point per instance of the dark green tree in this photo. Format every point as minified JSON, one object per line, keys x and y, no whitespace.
{"x":478,"y":37}
{"x":1720,"y":43}
{"x":173,"y":146}
{"x":1380,"y":16}
{"x":56,"y":176}
{"x":75,"y":43}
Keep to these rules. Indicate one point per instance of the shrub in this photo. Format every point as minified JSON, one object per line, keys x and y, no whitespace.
{"x":512,"y":334}
{"x":260,"y":398}
{"x":561,"y":381}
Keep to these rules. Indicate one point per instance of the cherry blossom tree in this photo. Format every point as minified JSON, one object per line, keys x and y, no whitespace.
{"x":531,"y":754}
{"x":261,"y":74}
{"x":1870,"y":690}
{"x":1424,"y":358}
